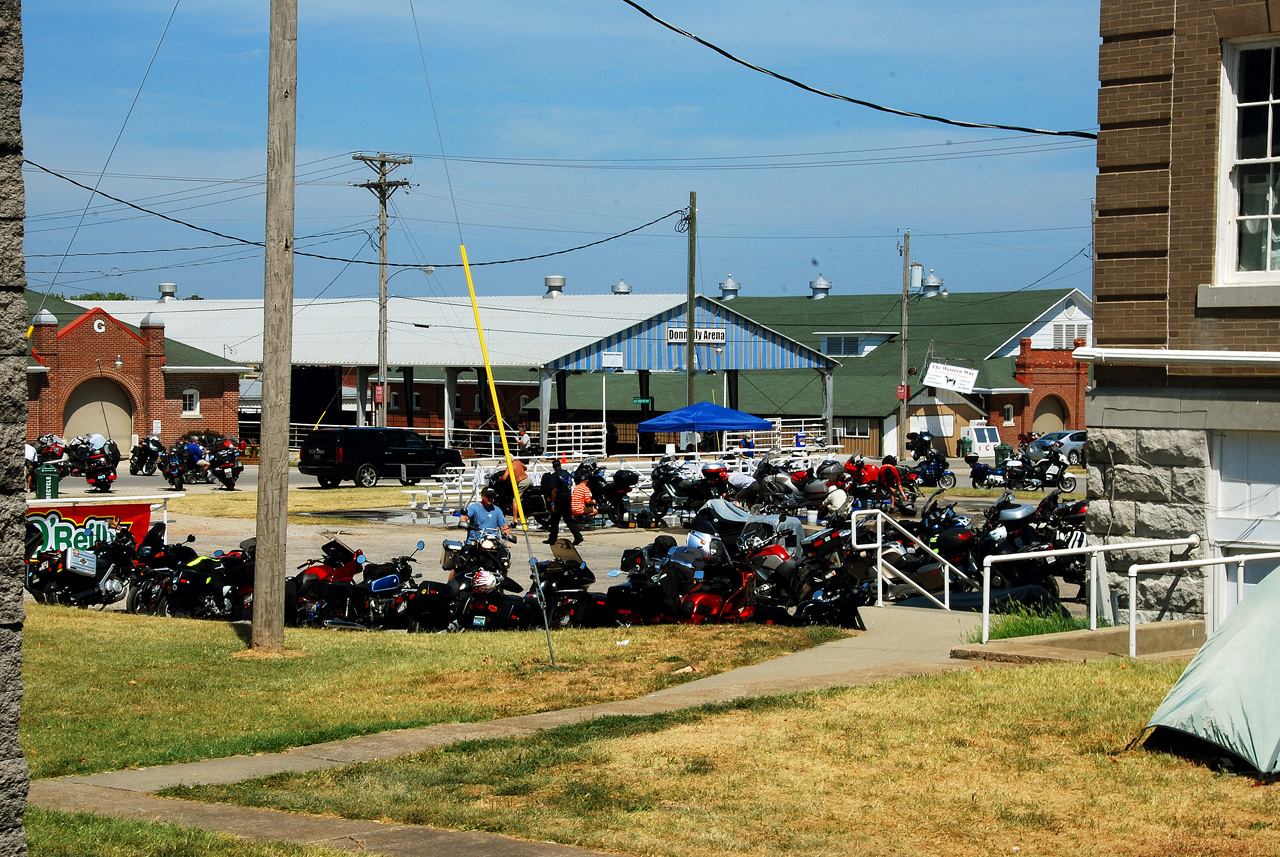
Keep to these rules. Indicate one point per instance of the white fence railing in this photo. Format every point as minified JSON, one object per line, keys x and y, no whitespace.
{"x":1094,"y":553}
{"x":884,"y":569}
{"x":1213,"y":613}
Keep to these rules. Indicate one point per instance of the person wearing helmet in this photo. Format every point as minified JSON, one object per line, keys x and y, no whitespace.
{"x":484,"y":515}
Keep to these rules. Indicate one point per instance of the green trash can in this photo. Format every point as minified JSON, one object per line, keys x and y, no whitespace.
{"x":1003,"y":453}
{"x":964,"y":446}
{"x":47,"y":482}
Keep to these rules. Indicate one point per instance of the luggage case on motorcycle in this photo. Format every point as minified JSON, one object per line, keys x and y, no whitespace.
{"x":626,"y":478}
{"x":971,"y":458}
{"x":449,"y":552}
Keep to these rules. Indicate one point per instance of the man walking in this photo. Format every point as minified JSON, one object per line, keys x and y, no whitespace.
{"x":557,"y":487}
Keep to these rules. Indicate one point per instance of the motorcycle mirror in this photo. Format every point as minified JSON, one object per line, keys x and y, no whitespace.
{"x":421,"y":544}
{"x":361,"y":558}
{"x":191,"y":537}
{"x":217,"y":554}
{"x":614,"y":573}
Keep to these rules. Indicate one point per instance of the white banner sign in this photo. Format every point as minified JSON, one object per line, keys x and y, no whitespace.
{"x":958,"y":378}
{"x":612,"y":360}
{"x":701,"y":336}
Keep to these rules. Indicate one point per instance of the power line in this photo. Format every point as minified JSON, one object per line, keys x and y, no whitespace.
{"x":239,"y":240}
{"x":861,"y":102}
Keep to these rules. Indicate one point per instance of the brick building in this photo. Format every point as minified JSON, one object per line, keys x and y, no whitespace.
{"x":1187,"y":283}
{"x":88,"y":372}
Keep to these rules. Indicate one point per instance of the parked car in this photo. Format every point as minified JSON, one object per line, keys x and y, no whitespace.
{"x":1069,"y":443}
{"x":365,"y":455}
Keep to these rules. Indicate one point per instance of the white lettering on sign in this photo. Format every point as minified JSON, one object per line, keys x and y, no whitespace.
{"x":701,"y":336}
{"x":99,"y":326}
{"x":958,"y":378}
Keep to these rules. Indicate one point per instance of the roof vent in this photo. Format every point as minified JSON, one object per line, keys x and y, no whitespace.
{"x":729,"y":289}
{"x":168,"y":292}
{"x":151,"y":320}
{"x":820,"y":288}
{"x":555,"y":287}
{"x":44,"y":317}
{"x":621,"y":288}
{"x":931,"y":286}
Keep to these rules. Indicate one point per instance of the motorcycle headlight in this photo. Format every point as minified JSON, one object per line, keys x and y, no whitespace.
{"x":488,"y":544}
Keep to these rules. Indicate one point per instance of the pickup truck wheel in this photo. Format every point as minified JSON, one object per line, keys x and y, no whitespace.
{"x":366,"y":475}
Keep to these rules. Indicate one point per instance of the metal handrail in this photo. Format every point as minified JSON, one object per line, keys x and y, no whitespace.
{"x":1210,"y":620}
{"x":1093,"y":551}
{"x":881,"y":517}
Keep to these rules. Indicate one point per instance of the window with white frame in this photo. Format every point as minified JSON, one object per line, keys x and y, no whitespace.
{"x":191,"y":403}
{"x":857,"y":427}
{"x":1008,"y":415}
{"x":394,"y":404}
{"x":1249,"y":232}
{"x":524,"y":402}
{"x":417,"y":401}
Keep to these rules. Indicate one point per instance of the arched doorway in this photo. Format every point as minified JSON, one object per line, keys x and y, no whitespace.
{"x":99,"y":406}
{"x":1050,"y":415}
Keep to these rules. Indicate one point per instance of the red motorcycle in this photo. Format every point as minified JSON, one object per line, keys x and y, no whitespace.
{"x":339,"y":564}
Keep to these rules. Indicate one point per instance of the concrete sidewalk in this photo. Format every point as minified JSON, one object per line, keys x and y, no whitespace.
{"x":899,"y":641}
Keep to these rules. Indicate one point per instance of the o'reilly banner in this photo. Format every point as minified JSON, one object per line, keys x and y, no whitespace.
{"x":701,"y":336}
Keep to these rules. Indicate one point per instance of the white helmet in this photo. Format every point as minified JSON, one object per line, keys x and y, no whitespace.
{"x":486,"y":582}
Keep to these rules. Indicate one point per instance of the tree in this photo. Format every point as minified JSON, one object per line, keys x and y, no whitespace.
{"x":104,"y":296}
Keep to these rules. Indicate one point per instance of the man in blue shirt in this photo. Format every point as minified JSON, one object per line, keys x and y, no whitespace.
{"x":484,"y":515}
{"x":197,"y":453}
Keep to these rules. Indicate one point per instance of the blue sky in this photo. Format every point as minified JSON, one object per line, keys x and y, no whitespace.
{"x":564,"y":123}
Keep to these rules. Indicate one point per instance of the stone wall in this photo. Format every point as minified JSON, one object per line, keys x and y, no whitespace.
{"x":13,"y":427}
{"x":1150,"y":484}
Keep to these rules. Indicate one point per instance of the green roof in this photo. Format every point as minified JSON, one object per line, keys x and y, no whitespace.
{"x":175,"y":353}
{"x":963,"y":329}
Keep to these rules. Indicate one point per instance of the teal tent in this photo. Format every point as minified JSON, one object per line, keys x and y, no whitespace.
{"x":1224,"y":706}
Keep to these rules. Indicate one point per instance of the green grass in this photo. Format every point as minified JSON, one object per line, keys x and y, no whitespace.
{"x":64,"y":834}
{"x":1025,"y":622}
{"x":975,"y":762}
{"x":105,"y":691}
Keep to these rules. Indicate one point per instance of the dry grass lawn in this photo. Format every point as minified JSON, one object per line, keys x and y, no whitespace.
{"x":244,"y":504}
{"x":104,"y":691}
{"x":1024,"y":761}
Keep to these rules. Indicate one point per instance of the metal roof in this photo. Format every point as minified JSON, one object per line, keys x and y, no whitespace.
{"x":563,"y":332}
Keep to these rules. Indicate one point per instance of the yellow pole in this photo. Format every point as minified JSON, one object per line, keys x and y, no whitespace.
{"x":493,"y":392}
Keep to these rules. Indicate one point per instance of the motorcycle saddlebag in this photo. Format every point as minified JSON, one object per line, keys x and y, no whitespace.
{"x":830,"y":470}
{"x":449,"y":552}
{"x":626,"y":478}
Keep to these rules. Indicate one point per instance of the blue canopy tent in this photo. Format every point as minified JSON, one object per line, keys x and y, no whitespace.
{"x":705,"y":416}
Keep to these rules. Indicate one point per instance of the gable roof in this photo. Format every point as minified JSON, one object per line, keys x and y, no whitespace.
{"x":70,"y":315}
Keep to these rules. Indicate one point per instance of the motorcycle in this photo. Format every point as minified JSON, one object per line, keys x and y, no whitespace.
{"x":561,"y":588}
{"x":610,"y":492}
{"x":1062,"y":524}
{"x":52,"y":448}
{"x":532,"y":501}
{"x":380,"y":599}
{"x":144,"y":458}
{"x":791,"y":486}
{"x":932,"y":472}
{"x":1048,"y":472}
{"x":337,"y":564}
{"x":157,"y":562}
{"x":212,"y":587}
{"x":224,"y":461}
{"x":480,"y":585}
{"x":674,"y":489}
{"x":180,"y":468}
{"x":94,"y":457}
{"x":94,"y":577}
{"x":1009,"y":528}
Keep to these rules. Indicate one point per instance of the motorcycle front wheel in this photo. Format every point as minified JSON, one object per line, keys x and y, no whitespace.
{"x":1068,"y":484}
{"x":947,"y":480}
{"x":660,"y":505}
{"x":148,"y":469}
{"x":618,"y":514}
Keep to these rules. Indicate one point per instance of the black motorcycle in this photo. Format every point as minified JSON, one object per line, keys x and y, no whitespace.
{"x":144,"y":458}
{"x":483,"y":594}
{"x":1049,"y":472}
{"x":562,"y":589}
{"x":96,"y":458}
{"x":609,"y":492}
{"x":93,"y":577}
{"x":674,"y":488}
{"x":180,"y":468}
{"x":157,"y":563}
{"x":224,"y":461}
{"x":212,"y":587}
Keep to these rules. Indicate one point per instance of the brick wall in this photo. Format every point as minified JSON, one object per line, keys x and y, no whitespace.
{"x":13,"y":359}
{"x":1157,"y":188}
{"x":88,"y":348}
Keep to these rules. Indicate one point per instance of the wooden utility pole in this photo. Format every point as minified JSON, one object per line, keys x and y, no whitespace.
{"x":277,"y":330}
{"x":382,"y":189}
{"x":689,"y":307}
{"x":904,"y":393}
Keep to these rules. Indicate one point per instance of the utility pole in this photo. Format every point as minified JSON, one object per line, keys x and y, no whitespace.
{"x":277,"y":346}
{"x":902,"y":402}
{"x":692,"y":220}
{"x":382,"y":189}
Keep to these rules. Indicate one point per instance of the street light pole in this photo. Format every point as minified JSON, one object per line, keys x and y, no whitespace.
{"x":902,"y":391}
{"x":383,"y":189}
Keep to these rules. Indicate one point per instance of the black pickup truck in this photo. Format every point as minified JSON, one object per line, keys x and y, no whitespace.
{"x":365,"y":455}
